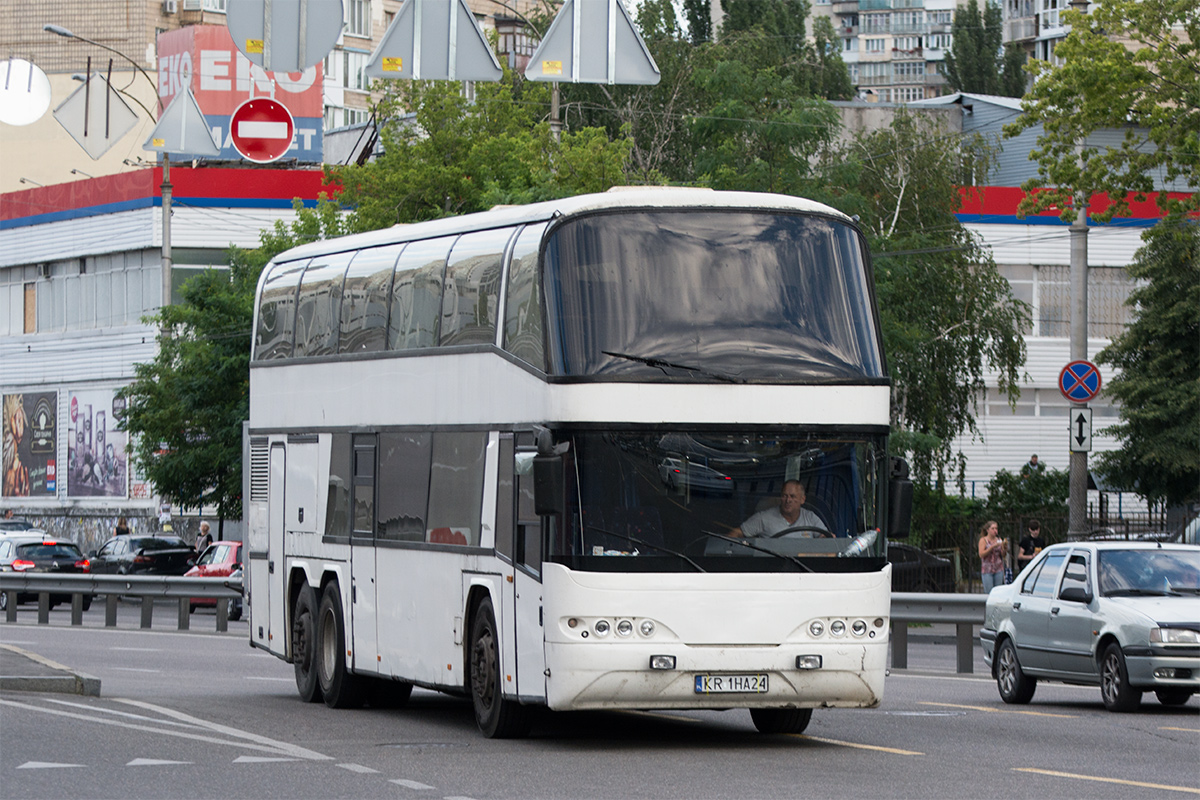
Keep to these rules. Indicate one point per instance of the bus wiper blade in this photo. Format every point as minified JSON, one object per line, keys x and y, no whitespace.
{"x":742,"y":541}
{"x":659,"y":363}
{"x":636,"y":540}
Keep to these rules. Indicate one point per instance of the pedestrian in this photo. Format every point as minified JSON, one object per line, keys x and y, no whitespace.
{"x":992,"y":551}
{"x":1032,"y":467}
{"x":1031,"y":543}
{"x":203,"y":539}
{"x":122,"y":528}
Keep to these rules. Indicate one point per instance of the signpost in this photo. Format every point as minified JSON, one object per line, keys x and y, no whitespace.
{"x":262,"y":129}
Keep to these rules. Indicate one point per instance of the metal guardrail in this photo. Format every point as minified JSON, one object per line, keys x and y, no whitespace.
{"x":964,"y":611}
{"x":146,"y":587}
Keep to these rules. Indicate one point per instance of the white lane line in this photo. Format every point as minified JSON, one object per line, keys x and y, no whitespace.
{"x":154,"y":762}
{"x":195,"y":737}
{"x":46,"y":765}
{"x":134,"y":669}
{"x":359,"y":768}
{"x":115,"y":713}
{"x":261,"y":759}
{"x":1121,"y":781}
{"x":411,"y":784}
{"x":285,"y":747}
{"x":256,"y":678}
{"x":893,"y":750}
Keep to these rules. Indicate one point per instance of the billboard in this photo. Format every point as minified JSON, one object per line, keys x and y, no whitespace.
{"x":204,"y":58}
{"x":97,"y":464}
{"x":30,"y":444}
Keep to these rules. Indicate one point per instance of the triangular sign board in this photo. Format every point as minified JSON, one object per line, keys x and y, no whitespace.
{"x":435,"y":40}
{"x":593,"y":41}
{"x":182,"y":128}
{"x":96,"y":116}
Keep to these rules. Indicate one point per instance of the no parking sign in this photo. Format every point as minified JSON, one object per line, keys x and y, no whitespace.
{"x":1079,"y":381}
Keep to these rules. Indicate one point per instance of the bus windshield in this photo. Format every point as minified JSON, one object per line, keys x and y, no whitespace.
{"x":710,"y":296}
{"x":714,"y":501}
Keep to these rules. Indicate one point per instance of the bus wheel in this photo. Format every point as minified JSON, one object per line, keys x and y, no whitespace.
{"x":781,"y":720}
{"x":339,"y":688}
{"x":304,"y":644}
{"x":497,"y":718}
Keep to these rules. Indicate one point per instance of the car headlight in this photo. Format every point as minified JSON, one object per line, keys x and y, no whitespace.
{"x":1174,"y":636}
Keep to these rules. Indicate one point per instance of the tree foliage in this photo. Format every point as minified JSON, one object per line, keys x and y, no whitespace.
{"x":1042,"y":492}
{"x":1158,"y":355}
{"x":976,"y":61}
{"x":1131,"y":65}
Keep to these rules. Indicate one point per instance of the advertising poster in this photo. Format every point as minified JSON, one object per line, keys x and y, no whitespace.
{"x":97,"y":464}
{"x":204,"y":59}
{"x":30,"y":444}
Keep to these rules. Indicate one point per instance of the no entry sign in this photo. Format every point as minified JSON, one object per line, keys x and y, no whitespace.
{"x":262,"y":129}
{"x":1079,"y":381}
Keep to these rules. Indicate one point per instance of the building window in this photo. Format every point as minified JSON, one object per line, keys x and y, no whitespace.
{"x":215,"y":5}
{"x":31,"y":308}
{"x":358,"y":17}
{"x":355,"y":74}
{"x":907,"y":43}
{"x":875,"y":45}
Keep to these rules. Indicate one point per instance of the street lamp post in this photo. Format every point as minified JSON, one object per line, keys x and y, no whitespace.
{"x":165,"y":188}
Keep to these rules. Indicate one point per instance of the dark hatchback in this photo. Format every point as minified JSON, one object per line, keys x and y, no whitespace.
{"x":155,"y":555}
{"x":914,"y":570}
{"x":35,"y":552}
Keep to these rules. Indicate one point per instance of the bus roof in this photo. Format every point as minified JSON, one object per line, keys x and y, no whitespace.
{"x":617,"y":197}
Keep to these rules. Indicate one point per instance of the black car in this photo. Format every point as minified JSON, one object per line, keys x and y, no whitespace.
{"x":130,"y":554}
{"x":36,"y":552}
{"x":914,"y":570}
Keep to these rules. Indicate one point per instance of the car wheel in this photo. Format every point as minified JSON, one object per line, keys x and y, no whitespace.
{"x":87,"y":602}
{"x":3,"y":601}
{"x":1015,"y":686}
{"x":497,"y":717}
{"x":304,"y":644}
{"x":1114,"y":682}
{"x":781,"y":720}
{"x":1173,"y":697}
{"x":235,"y":612}
{"x":339,"y":688}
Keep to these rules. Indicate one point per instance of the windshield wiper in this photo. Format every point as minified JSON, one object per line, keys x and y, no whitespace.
{"x":742,"y":541}
{"x":1142,"y":593}
{"x":636,"y":540}
{"x":659,"y":363}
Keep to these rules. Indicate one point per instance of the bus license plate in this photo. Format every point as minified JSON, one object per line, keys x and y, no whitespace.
{"x":721,"y":684}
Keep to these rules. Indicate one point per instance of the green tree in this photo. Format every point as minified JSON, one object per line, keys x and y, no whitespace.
{"x":1128,"y":65}
{"x":1043,"y":493}
{"x":699,"y":19}
{"x":185,"y":407}
{"x":1158,"y":355}
{"x":976,"y":62}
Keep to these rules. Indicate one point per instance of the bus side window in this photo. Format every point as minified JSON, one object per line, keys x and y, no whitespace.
{"x":417,"y":294}
{"x":277,"y":312}
{"x":363,"y":324}
{"x":318,"y":306}
{"x":505,"y":492}
{"x":404,"y":485}
{"x":337,"y":514}
{"x":364,"y":486}
{"x":523,"y":303}
{"x":528,"y":550}
{"x":471,"y":292}
{"x":456,"y":487}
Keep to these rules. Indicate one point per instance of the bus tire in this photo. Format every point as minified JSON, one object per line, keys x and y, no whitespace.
{"x":497,"y":717}
{"x":304,"y":644}
{"x":781,"y":720}
{"x":339,"y":688}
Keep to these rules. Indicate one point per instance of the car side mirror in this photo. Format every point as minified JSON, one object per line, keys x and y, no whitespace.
{"x":1075,"y":594}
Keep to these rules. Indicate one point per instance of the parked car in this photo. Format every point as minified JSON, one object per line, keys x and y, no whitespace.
{"x":11,"y":525}
{"x":678,"y":474}
{"x":129,"y":554}
{"x":1124,"y":616}
{"x":33,"y":551}
{"x":914,"y":570}
{"x":219,"y":560}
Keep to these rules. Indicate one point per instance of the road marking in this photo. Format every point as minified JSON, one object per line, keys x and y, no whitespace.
{"x":1140,"y":784}
{"x":114,"y":712}
{"x":1185,"y":730}
{"x":410,"y":784}
{"x":46,"y":765}
{"x":276,"y":748}
{"x":358,"y":768}
{"x":1000,"y":710}
{"x":135,"y":669}
{"x":153,"y":762}
{"x":261,"y":759}
{"x":255,"y":678}
{"x":856,"y":745}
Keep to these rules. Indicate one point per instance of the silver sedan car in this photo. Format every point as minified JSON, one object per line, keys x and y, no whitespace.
{"x":1121,"y":615}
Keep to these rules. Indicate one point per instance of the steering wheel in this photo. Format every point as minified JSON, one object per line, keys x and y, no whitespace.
{"x":822,"y":533}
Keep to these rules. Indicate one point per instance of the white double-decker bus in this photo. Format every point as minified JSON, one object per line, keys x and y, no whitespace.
{"x":511,"y":455}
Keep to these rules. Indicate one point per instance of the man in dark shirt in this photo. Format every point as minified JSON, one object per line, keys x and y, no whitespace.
{"x":1031,"y":543}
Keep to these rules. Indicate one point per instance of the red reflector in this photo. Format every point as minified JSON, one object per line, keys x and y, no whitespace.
{"x":143,"y":560}
{"x":20,"y":565}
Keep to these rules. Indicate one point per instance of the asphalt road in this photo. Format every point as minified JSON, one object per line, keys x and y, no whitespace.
{"x":196,"y":715}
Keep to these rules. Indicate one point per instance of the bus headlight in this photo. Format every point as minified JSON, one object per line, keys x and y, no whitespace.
{"x":837,"y":628}
{"x":601,"y":627}
{"x":859,"y":627}
{"x":646,"y":627}
{"x":816,"y":627}
{"x":624,"y":627}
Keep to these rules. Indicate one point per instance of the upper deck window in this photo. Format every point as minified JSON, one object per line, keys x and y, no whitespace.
{"x":523,"y":304}
{"x":277,"y":312}
{"x":417,"y":294}
{"x":710,"y":295}
{"x":318,"y":306}
{"x":365,"y":300}
{"x":472,"y":288}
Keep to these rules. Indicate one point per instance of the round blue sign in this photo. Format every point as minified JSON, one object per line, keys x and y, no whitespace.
{"x":1079,"y":381}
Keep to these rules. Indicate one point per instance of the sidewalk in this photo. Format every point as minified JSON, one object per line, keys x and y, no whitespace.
{"x":23,"y":671}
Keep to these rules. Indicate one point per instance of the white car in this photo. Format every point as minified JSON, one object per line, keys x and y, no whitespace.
{"x":1121,"y":615}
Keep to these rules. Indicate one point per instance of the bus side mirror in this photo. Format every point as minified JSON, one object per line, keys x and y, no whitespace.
{"x":900,"y":499}
{"x":548,"y":479}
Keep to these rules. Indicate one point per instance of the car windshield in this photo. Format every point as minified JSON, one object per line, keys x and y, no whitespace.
{"x":47,"y":550}
{"x":1156,"y":572}
{"x":673,"y":499}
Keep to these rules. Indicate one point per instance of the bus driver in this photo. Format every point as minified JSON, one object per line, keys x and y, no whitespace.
{"x":790,"y":513}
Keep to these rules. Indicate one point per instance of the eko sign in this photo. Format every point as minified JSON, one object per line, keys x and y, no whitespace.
{"x":204,"y":58}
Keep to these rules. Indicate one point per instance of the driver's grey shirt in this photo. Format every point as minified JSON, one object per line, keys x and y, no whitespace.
{"x":772,"y":521}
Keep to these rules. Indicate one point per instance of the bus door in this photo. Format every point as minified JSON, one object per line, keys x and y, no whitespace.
{"x":527,"y":588}
{"x":273,"y":603}
{"x":363,"y":595}
{"x":297,"y":520}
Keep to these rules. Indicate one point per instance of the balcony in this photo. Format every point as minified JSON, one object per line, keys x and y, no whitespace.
{"x":843,"y":8}
{"x":1020,"y":29}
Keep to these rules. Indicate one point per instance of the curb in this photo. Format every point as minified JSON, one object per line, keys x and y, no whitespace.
{"x":43,"y":675}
